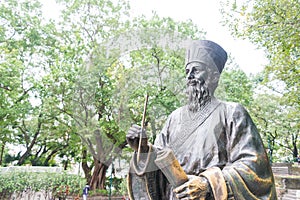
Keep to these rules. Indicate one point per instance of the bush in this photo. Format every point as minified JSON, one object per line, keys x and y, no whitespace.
{"x":54,"y":184}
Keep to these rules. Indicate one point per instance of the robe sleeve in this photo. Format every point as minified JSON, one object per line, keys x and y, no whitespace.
{"x":145,"y":180}
{"x":217,"y":183}
{"x":248,"y":172}
{"x":150,"y":183}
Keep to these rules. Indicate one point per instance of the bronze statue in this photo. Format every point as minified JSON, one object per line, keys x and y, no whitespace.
{"x":208,"y":149}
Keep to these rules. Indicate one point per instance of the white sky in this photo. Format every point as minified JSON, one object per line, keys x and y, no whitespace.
{"x":206,"y":15}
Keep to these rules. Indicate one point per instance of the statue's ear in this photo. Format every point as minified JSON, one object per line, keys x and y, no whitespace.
{"x":215,"y":76}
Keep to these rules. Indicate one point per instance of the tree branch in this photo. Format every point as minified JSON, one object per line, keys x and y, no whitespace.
{"x":5,"y":87}
{"x":28,"y":150}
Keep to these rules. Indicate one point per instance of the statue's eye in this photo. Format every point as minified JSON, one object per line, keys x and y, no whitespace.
{"x":187,"y":71}
{"x":196,"y":70}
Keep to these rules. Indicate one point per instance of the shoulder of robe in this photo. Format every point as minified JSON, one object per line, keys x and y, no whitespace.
{"x":176,"y":112}
{"x":235,"y":110}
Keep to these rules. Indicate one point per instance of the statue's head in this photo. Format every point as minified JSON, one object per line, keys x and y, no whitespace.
{"x":205,"y":61}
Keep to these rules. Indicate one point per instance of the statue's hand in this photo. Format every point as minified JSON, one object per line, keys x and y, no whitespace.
{"x":197,"y":187}
{"x":133,"y":137}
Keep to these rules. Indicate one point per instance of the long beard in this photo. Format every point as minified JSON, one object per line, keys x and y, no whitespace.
{"x":198,"y":95}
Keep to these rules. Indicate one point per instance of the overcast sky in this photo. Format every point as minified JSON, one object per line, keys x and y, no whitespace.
{"x":206,"y":15}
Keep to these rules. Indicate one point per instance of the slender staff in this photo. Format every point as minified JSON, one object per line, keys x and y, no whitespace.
{"x":142,"y":127}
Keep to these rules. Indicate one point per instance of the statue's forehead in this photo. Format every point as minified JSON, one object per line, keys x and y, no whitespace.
{"x":196,"y":64}
{"x":208,"y":67}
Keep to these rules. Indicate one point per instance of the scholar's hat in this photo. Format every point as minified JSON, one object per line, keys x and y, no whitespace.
{"x":208,"y":52}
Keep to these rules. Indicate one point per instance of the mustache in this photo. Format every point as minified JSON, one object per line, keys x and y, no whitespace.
{"x":192,"y":82}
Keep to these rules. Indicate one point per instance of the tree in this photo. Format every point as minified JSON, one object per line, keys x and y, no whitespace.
{"x":33,"y":86}
{"x":71,"y":78}
{"x":20,"y":42}
{"x":274,"y":26}
{"x":235,"y":86}
{"x":278,"y":134}
{"x":85,"y":26}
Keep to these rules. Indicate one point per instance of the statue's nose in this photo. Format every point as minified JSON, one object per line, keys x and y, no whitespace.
{"x":190,"y":75}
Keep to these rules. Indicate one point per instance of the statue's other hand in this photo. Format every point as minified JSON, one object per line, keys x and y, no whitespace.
{"x":197,"y":187}
{"x":133,"y":137}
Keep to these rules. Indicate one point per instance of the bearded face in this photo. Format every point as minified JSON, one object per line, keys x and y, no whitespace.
{"x":198,"y":94}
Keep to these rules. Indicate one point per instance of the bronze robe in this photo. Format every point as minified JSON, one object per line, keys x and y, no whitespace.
{"x":221,"y":143}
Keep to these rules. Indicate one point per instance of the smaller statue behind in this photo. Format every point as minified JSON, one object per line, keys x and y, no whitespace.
{"x":213,"y":148}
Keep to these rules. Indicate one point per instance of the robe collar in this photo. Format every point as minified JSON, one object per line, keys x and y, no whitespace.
{"x":190,"y":123}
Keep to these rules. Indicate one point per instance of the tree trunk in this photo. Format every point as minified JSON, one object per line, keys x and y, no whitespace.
{"x":98,"y":176}
{"x":54,"y":152}
{"x":2,"y":152}
{"x":66,"y":165}
{"x":86,"y":169}
{"x":32,"y":143}
{"x":295,"y":149}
